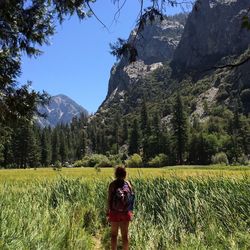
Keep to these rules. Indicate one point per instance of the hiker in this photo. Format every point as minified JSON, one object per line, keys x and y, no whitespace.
{"x":120,"y":206}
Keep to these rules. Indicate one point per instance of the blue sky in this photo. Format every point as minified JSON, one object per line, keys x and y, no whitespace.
{"x":78,"y":62}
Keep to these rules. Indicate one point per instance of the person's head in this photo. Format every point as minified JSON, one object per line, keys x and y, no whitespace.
{"x":120,"y":172}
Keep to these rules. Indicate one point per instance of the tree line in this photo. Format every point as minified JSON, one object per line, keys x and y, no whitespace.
{"x":181,"y":139}
{"x":176,"y":138}
{"x":28,"y":145}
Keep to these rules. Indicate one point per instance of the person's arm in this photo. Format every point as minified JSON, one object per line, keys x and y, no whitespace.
{"x":130,"y":186}
{"x":110,"y":190}
{"x":132,"y":198}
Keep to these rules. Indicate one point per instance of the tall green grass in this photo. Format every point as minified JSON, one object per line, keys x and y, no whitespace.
{"x":172,"y":213}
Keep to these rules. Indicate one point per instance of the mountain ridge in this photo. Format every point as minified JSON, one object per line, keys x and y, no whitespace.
{"x":61,"y":109}
{"x":129,"y":80}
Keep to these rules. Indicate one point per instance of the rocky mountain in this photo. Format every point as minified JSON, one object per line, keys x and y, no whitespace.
{"x":213,"y":31}
{"x":61,"y":109}
{"x":188,"y":58}
{"x":155,"y":45}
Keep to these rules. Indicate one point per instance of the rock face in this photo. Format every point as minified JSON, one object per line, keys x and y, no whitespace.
{"x":213,"y":31}
{"x":61,"y":109}
{"x":155,"y":44}
{"x":213,"y":36}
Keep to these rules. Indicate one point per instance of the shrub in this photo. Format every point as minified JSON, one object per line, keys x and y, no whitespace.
{"x":243,"y":160}
{"x":158,"y":161}
{"x":220,"y":158}
{"x":115,"y":159}
{"x":135,"y":161}
{"x":78,"y":164}
{"x":95,"y":160}
{"x":99,"y":160}
{"x":57,"y":165}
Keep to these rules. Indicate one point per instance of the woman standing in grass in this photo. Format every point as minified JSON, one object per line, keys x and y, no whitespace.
{"x":120,"y":206}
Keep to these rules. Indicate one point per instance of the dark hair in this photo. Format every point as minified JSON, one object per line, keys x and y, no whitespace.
{"x":120,"y":172}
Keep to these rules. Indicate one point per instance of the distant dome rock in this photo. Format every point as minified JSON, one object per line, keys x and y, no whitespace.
{"x":60,"y":110}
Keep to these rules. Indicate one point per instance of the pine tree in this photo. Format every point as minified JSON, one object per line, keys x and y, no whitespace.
{"x":165,"y":143}
{"x":70,"y":145}
{"x":33,"y":148}
{"x":146,"y":133}
{"x":124,"y":130}
{"x":81,"y":146}
{"x":92,"y":135}
{"x":144,"y":116}
{"x":116,"y":136}
{"x":25,"y":146}
{"x":20,"y":145}
{"x":157,"y":132}
{"x":62,"y":147}
{"x":134,"y":139}
{"x":55,"y":146}
{"x":180,"y":129}
{"x":45,"y":148}
{"x":5,"y":137}
{"x":236,"y":128}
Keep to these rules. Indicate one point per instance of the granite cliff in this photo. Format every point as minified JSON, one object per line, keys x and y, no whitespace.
{"x":155,"y":44}
{"x":186,"y":57}
{"x":213,"y":31}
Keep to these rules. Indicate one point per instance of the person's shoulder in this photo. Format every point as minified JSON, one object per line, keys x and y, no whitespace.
{"x":112,"y":184}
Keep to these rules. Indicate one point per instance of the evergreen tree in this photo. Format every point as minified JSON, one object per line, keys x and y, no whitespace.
{"x":81,"y":148}
{"x":45,"y":148}
{"x":20,"y":145}
{"x":146,"y":133}
{"x":70,"y":146}
{"x":124,"y":131}
{"x":134,"y":139}
{"x":151,"y":139}
{"x":5,"y":148}
{"x":237,"y":135}
{"x":92,"y":136}
{"x":180,"y":129}
{"x":55,"y":146}
{"x":194,"y":149}
{"x":116,"y":136}
{"x":245,"y":131}
{"x":25,"y":146}
{"x":144,"y":117}
{"x":63,"y":147}
{"x":157,"y":132}
{"x":33,"y":148}
{"x":165,"y":143}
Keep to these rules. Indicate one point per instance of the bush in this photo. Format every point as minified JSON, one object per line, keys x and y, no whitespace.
{"x":220,"y":158}
{"x":135,"y":161}
{"x":160,"y":160}
{"x":243,"y":160}
{"x":57,"y":165}
{"x":115,"y":159}
{"x":95,"y":160}
{"x":78,"y":164}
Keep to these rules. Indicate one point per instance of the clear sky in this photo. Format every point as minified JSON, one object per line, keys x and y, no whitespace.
{"x":78,"y":62}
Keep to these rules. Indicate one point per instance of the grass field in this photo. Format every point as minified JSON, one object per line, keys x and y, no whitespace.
{"x":108,"y":173}
{"x":176,"y":208}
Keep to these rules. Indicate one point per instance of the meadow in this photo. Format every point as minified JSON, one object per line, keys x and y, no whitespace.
{"x":176,"y":208}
